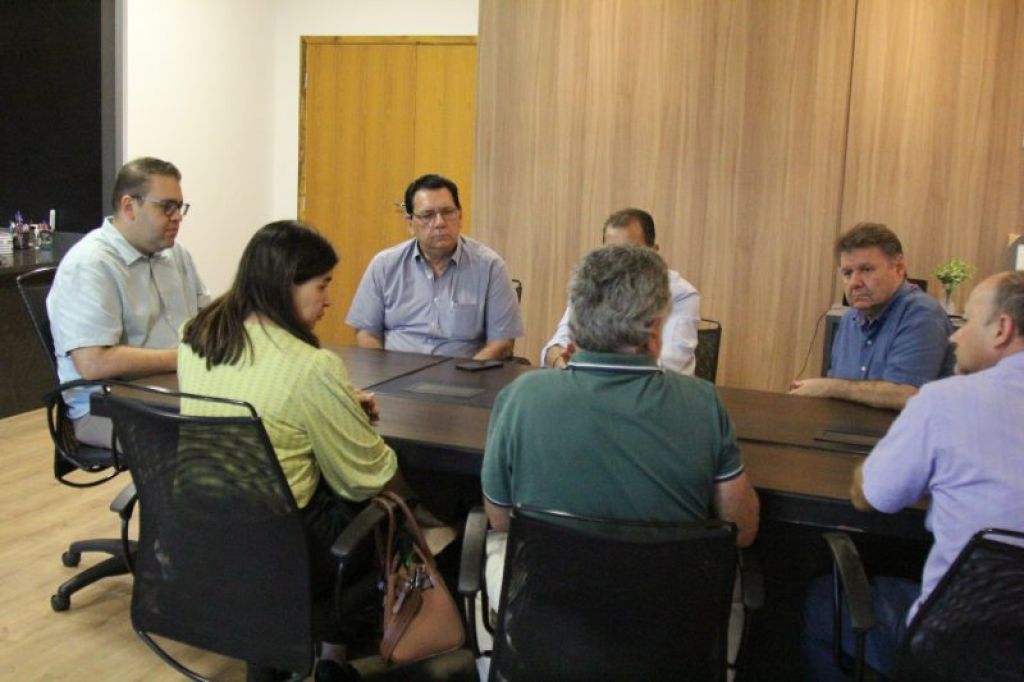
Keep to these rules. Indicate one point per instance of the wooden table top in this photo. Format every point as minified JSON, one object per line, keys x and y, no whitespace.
{"x":368,"y":367}
{"x":802,"y":478}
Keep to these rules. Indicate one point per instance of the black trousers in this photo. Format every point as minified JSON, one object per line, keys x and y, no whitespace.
{"x":325,"y":517}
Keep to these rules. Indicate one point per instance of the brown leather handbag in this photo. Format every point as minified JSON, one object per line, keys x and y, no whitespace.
{"x":420,"y":617}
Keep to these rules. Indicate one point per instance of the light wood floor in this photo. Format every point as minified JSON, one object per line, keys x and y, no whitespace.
{"x":38,"y":518}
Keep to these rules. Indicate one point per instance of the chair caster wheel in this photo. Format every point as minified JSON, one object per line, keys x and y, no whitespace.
{"x":70,"y":559}
{"x":60,"y":603}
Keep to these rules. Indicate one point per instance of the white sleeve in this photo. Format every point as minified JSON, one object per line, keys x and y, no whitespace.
{"x":561,"y":337}
{"x":679,"y":334}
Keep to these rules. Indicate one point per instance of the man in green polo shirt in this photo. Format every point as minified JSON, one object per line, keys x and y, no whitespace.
{"x":612,"y":435}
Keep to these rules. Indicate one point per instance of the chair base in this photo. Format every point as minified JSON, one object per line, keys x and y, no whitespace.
{"x":113,"y":565}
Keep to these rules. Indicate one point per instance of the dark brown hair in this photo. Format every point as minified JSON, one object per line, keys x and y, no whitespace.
{"x":133,"y":178}
{"x":864,"y":235}
{"x":278,"y":256}
{"x":624,"y":217}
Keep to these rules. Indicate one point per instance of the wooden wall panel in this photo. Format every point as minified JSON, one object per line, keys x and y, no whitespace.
{"x":725,"y":119}
{"x":937,"y":129}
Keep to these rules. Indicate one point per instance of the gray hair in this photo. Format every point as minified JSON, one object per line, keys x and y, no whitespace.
{"x":615,"y":294}
{"x":866,"y":235}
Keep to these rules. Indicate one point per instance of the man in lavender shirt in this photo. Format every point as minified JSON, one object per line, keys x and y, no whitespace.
{"x":961,"y":442}
{"x":439,"y":292}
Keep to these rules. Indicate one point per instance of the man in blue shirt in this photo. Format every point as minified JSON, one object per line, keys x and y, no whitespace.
{"x":438,"y":292}
{"x":960,"y":442}
{"x":893,"y":339}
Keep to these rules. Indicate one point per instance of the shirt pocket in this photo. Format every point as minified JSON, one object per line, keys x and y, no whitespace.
{"x":463,"y":321}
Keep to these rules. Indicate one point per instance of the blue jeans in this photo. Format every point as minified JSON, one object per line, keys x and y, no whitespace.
{"x":891,"y":599}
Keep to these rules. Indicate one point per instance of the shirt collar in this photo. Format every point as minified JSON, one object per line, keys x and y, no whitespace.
{"x":614,"y":362}
{"x":456,"y":257}
{"x":1012,"y":362}
{"x":128,"y":253}
{"x":900,"y":292}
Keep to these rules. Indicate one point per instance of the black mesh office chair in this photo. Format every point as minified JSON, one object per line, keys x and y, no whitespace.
{"x":591,"y":599}
{"x":222,"y":560}
{"x":709,"y":340}
{"x":971,"y":627}
{"x":74,"y":464}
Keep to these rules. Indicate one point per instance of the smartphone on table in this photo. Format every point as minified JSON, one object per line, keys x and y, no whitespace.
{"x":478,"y":365}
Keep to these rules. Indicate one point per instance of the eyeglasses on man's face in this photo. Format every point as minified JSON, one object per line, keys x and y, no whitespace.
{"x":168,"y":206}
{"x":427,"y":217}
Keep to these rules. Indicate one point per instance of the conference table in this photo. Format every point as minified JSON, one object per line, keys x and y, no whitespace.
{"x":800,"y":452}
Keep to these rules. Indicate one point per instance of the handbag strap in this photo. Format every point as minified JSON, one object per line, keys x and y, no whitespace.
{"x":386,"y":548}
{"x":395,"y":500}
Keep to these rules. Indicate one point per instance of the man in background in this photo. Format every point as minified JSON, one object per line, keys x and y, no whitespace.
{"x":679,"y":336}
{"x":122,"y":293}
{"x":439,"y":292}
{"x":960,"y":441}
{"x":893,"y":339}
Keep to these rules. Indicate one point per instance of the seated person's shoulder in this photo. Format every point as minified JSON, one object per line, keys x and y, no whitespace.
{"x":90,"y":249}
{"x":481,"y":250}
{"x":537,"y":386}
{"x":691,"y":393}
{"x":680,"y":286}
{"x":394,"y":254}
{"x":920,"y":302}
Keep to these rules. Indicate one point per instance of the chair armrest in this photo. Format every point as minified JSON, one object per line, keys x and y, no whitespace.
{"x":125,"y":501}
{"x":356,"y":531}
{"x":124,"y":505}
{"x":472,"y":560}
{"x":751,"y":579}
{"x":849,"y":569}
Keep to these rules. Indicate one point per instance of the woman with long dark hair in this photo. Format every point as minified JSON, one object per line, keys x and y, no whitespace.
{"x":256,"y":343}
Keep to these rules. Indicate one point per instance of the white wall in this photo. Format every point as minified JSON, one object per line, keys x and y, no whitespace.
{"x":213,"y":86}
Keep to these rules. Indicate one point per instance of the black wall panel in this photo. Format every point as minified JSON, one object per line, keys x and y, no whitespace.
{"x":51,"y":137}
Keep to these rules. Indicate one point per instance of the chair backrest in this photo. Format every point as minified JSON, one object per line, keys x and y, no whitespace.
{"x":921,"y":284}
{"x":709,"y":340}
{"x":518,"y":286}
{"x":69,"y":455}
{"x":613,"y":600}
{"x":34,"y":287}
{"x":971,"y":627}
{"x":222,"y":559}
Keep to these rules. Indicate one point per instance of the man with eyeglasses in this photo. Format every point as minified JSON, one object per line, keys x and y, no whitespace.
{"x":122,"y":293}
{"x":439,"y":292}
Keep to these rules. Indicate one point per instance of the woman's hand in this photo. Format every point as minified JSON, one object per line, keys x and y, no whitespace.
{"x":368,"y":401}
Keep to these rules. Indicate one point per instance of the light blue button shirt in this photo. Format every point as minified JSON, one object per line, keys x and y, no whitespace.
{"x":470,"y":303}
{"x":107,"y":293}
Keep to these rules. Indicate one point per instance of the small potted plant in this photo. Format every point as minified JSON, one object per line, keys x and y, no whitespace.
{"x":952,"y":275}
